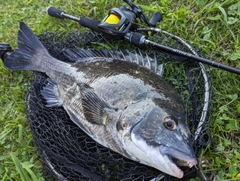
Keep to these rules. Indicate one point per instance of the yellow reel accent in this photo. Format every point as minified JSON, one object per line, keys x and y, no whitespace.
{"x":112,"y":19}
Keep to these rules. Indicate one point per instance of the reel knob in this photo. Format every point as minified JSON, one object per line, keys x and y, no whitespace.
{"x":156,"y":17}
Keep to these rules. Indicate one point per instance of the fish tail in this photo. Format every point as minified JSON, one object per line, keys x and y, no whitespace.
{"x":25,"y":56}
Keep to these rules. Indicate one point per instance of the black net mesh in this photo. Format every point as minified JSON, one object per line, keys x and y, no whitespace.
{"x":67,"y":153}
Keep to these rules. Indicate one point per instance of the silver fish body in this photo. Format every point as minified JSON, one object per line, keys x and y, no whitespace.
{"x":121,"y":105}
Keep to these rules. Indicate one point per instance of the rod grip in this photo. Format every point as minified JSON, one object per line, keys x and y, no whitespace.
{"x":89,"y":23}
{"x":52,"y":11}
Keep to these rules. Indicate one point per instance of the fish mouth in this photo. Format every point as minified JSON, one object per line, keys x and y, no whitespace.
{"x":175,"y":157}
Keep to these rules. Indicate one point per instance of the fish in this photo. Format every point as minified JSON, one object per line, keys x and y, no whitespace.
{"x":121,"y":105}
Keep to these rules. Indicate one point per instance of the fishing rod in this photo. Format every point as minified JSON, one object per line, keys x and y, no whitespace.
{"x":122,"y":23}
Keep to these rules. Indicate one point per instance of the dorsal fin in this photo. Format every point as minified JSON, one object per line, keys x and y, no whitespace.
{"x":80,"y":54}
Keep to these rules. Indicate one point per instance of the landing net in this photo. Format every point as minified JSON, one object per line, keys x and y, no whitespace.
{"x":67,"y":153}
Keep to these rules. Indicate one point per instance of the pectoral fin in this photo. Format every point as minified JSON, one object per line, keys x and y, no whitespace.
{"x":95,"y":108}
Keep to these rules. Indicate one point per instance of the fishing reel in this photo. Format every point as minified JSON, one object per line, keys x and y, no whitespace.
{"x":121,"y":20}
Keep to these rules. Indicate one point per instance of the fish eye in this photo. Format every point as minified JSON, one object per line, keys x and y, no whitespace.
{"x":121,"y":124}
{"x":169,"y":123}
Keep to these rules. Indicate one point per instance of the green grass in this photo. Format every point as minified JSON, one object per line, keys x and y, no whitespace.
{"x":212,"y":26}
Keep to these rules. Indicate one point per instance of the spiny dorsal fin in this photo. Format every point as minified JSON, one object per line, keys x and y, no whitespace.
{"x":80,"y":54}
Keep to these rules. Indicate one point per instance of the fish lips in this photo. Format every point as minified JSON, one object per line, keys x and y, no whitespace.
{"x":175,"y":157}
{"x":162,"y":157}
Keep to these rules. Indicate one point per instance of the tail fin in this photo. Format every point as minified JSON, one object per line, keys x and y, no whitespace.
{"x":28,"y":46}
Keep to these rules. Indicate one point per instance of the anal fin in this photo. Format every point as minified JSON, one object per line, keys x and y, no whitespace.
{"x":50,"y":94}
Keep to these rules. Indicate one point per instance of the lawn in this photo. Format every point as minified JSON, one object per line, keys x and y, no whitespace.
{"x":210,"y":26}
